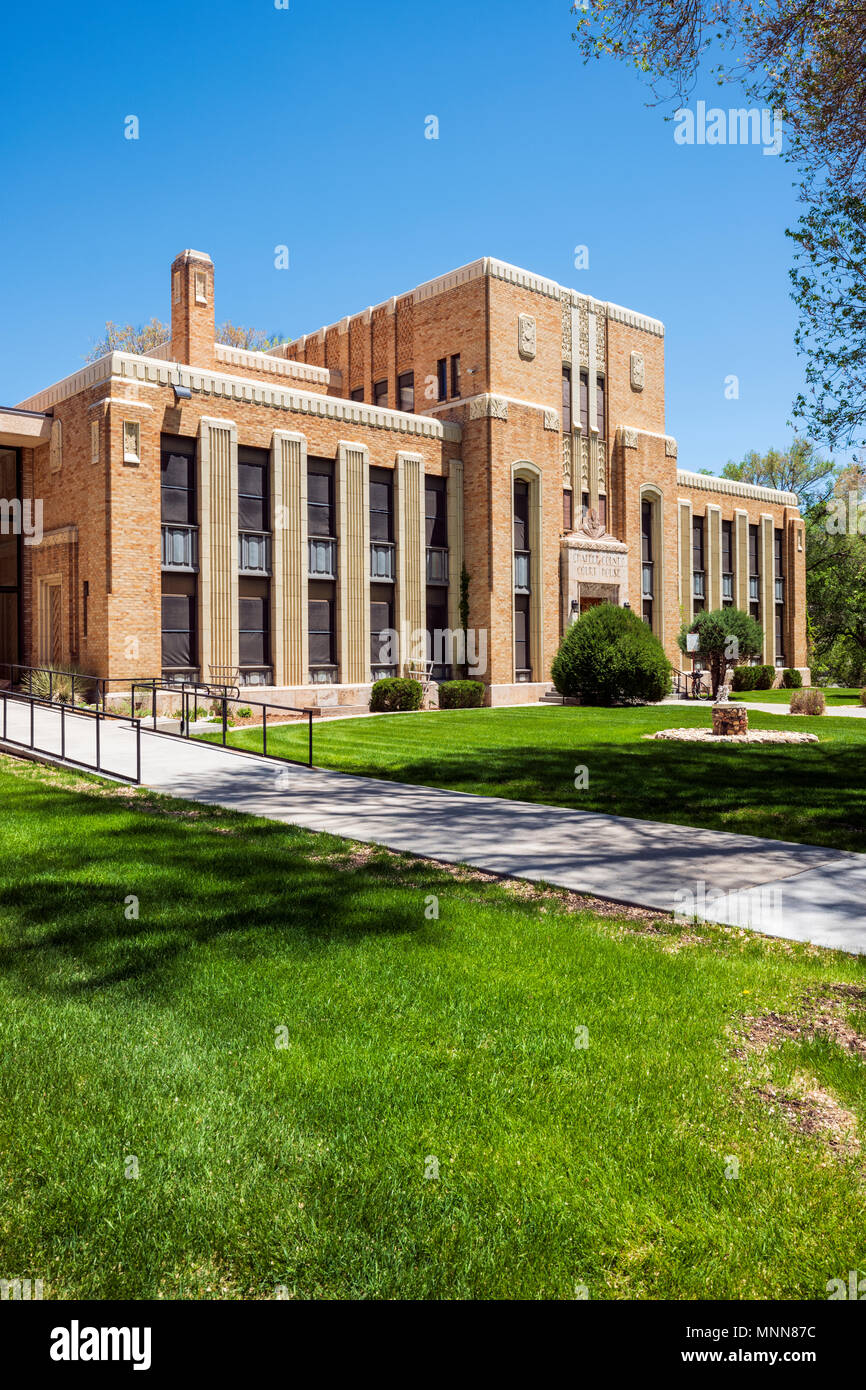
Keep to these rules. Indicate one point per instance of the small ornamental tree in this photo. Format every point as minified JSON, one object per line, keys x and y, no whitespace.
{"x":726,"y":636}
{"x":610,"y":656}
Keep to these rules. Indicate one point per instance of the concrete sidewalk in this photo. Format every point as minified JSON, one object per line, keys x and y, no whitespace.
{"x":802,"y":892}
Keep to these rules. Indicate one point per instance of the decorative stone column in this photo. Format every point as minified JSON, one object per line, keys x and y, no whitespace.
{"x":410,"y":606}
{"x":714,"y":556}
{"x":741,"y":581}
{"x":353,"y":563}
{"x":289,"y":583}
{"x":218,"y":545}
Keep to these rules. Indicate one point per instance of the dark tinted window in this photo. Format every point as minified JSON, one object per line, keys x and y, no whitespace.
{"x":436,"y":504}
{"x":521,"y":515}
{"x":320,"y":497}
{"x":381,"y":505}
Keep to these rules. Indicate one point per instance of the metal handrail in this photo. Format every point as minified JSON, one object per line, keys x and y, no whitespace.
{"x":79,"y":712}
{"x":201,"y":693}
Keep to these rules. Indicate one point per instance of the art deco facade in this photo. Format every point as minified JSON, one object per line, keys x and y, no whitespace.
{"x":207,"y":509}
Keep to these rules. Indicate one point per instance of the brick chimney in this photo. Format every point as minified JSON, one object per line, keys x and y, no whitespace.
{"x":192,"y":309}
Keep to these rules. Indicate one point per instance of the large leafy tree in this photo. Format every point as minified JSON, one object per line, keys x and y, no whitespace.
{"x":805,"y":60}
{"x":829,"y":289}
{"x":835,"y":523}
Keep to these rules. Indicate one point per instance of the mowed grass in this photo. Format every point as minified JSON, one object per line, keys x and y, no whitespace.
{"x":812,"y":793}
{"x":416,"y":1044}
{"x":833,"y":695}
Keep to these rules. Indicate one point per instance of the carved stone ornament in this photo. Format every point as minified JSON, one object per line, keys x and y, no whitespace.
{"x":670,"y":447}
{"x":592,"y":525}
{"x":637,"y":371}
{"x":551,"y":420}
{"x":526,"y":336}
{"x":629,"y":438}
{"x":488,"y":407}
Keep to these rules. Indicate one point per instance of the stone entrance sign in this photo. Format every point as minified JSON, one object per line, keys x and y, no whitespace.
{"x":592,"y":568}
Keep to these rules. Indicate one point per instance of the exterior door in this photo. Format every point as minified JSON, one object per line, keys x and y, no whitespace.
{"x":587,"y":602}
{"x":51,"y":622}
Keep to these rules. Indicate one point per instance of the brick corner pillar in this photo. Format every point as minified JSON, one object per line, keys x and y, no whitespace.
{"x":353,"y":563}
{"x":411,"y":597}
{"x":289,"y":588}
{"x":192,"y":309}
{"x":219,"y":638}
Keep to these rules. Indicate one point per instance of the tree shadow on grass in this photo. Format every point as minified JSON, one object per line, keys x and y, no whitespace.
{"x":255,"y":886}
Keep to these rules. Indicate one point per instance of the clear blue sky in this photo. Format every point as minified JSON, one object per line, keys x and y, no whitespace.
{"x":305,"y":126}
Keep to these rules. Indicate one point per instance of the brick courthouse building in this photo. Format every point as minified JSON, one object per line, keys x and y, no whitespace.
{"x":209,"y":509}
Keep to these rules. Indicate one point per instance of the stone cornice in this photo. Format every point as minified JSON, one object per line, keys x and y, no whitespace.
{"x":151,"y":371}
{"x":512,"y":275}
{"x":710,"y":482}
{"x":267,"y":362}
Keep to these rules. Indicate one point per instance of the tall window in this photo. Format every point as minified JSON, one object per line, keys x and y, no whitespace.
{"x":179,"y":603}
{"x":253,"y":500}
{"x":357,"y":394}
{"x":521,"y":514}
{"x":177,"y":481}
{"x":599,"y":406}
{"x":436,"y":510}
{"x":382,"y":656}
{"x":727,"y":564}
{"x":321,"y":607}
{"x":584,"y":402}
{"x":380,"y":394}
{"x":779,"y":582}
{"x":406,"y":391}
{"x":381,"y":504}
{"x":567,"y":510}
{"x":442,"y":378}
{"x":320,"y":497}
{"x":647,"y":566}
{"x":522,"y":649}
{"x":566,"y":400}
{"x":254,"y":625}
{"x":754,"y":572}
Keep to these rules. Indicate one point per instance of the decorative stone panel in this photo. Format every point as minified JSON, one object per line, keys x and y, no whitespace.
{"x":637,"y":371}
{"x":551,"y":419}
{"x":488,"y":407}
{"x":526,"y":344}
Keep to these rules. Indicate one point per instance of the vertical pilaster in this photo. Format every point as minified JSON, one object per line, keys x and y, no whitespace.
{"x":218,"y":545}
{"x":741,"y":559}
{"x":714,"y":556}
{"x":410,"y":607}
{"x":592,"y":402}
{"x":353,"y":563}
{"x":289,"y":622}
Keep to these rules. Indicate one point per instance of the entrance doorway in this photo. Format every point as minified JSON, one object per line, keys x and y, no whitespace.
{"x":588,"y":602}
{"x":50,"y":621}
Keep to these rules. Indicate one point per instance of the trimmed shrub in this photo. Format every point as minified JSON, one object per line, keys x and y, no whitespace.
{"x":744,"y":678}
{"x":766,"y":677}
{"x":610,"y":656}
{"x":461,"y":694}
{"x":791,"y":679}
{"x":809,"y":701}
{"x":395,"y":693}
{"x":863,"y":696}
{"x":754,"y":677}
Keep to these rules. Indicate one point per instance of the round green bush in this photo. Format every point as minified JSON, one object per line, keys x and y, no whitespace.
{"x":395,"y":693}
{"x":792,"y":679}
{"x":610,"y":656}
{"x":461,"y":694}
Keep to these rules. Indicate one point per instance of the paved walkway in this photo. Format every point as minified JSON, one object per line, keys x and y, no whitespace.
{"x":802,"y":892}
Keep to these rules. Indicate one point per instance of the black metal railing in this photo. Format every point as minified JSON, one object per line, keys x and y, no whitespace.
{"x":67,"y":712}
{"x":196,"y":695}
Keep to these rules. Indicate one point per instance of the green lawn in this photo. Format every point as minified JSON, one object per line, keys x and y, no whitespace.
{"x":811,"y":793}
{"x":410,"y":1039}
{"x":834,"y":695}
